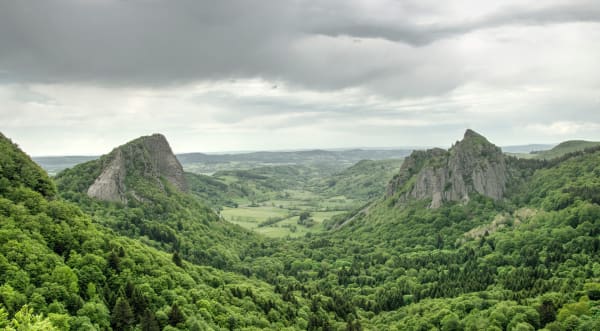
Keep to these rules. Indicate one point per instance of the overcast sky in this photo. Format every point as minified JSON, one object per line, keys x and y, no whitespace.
{"x":82,"y":76}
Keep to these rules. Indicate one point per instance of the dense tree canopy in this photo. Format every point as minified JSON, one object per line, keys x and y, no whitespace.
{"x":168,"y":262}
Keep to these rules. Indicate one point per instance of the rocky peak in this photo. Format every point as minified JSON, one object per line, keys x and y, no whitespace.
{"x":472,"y":165}
{"x":148,"y":159}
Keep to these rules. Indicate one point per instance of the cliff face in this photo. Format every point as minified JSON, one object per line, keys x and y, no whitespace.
{"x":110,"y":185}
{"x":148,"y":159}
{"x":472,"y":165}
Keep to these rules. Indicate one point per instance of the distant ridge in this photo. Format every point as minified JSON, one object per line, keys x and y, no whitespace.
{"x":565,"y":147}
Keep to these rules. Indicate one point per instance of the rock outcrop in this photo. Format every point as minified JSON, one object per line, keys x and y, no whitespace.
{"x":110,"y":185}
{"x":148,"y":159}
{"x":473,"y":165}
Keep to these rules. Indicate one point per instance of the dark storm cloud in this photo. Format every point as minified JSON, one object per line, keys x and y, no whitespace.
{"x":422,"y":34}
{"x":157,"y":43}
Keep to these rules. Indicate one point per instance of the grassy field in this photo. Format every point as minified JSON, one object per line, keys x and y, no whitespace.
{"x":286,"y":211}
{"x":269,"y":200}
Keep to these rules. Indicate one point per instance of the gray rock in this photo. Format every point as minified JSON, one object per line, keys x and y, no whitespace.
{"x":472,"y":165}
{"x":110,"y":185}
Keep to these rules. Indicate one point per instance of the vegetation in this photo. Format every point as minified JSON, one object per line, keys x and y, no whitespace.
{"x":559,"y":150}
{"x":364,"y":181}
{"x":166,"y":261}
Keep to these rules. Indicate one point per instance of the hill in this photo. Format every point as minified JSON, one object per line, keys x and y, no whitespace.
{"x":473,"y":165}
{"x":525,"y":259}
{"x":55,"y":164}
{"x":365,"y":180}
{"x":563,"y":148}
{"x":61,"y":270}
{"x":481,"y":263}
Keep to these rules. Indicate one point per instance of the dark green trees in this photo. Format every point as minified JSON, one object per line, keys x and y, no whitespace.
{"x":175,"y":315}
{"x":122,"y":316}
{"x":148,"y":321}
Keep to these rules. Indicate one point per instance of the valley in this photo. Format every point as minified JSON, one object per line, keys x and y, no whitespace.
{"x":467,"y":238}
{"x":299,"y":165}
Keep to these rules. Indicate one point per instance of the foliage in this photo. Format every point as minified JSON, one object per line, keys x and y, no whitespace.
{"x":169,"y":262}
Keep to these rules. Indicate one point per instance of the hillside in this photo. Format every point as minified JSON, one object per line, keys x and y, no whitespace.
{"x":526,"y":259}
{"x":484,"y":263}
{"x":154,"y":203}
{"x":564,"y":148}
{"x":75,"y":275}
{"x":365,"y":180}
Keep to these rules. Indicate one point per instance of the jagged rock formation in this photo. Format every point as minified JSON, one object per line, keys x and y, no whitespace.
{"x":472,"y":165}
{"x":148,"y":158}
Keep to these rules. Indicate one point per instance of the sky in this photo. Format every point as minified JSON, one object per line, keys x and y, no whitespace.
{"x":79,"y":77}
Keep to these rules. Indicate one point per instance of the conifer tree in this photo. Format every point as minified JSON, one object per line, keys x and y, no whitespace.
{"x":122,"y":315}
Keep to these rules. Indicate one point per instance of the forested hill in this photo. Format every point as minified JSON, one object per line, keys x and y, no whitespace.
{"x":62,"y":269}
{"x":564,"y":148}
{"x":528,"y":261}
{"x":151,"y":201}
{"x":161,"y":260}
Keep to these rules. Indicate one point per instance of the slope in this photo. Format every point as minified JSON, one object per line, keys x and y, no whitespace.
{"x":563,"y":148}
{"x":522,"y":262}
{"x":78,"y":276}
{"x":365,"y":180}
{"x":152,"y":203}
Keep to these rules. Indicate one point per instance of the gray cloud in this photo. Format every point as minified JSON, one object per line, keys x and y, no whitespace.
{"x":422,"y":34}
{"x":218,"y":75}
{"x":158,"y":42}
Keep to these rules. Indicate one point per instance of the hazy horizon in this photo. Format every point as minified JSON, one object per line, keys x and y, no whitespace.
{"x":224,"y":152}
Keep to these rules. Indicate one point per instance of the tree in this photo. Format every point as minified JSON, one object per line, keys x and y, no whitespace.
{"x":114,"y":261}
{"x":27,"y":321}
{"x":547,"y":312}
{"x":122,"y":315}
{"x":148,"y":321}
{"x":177,"y":259}
{"x":231,"y":323}
{"x":304,"y":216}
{"x":451,"y":322}
{"x":97,"y":313}
{"x":175,"y":315}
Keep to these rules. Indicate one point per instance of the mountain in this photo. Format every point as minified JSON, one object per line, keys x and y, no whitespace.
{"x":526,"y":261}
{"x":63,"y":269}
{"x":140,"y":190}
{"x":145,"y":159}
{"x":472,"y":165}
{"x":131,"y":171}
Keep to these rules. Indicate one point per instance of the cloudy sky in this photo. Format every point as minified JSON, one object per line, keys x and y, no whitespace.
{"x":82,"y":76}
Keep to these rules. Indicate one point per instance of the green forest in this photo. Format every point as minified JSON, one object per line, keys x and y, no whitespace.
{"x":167,"y":259}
